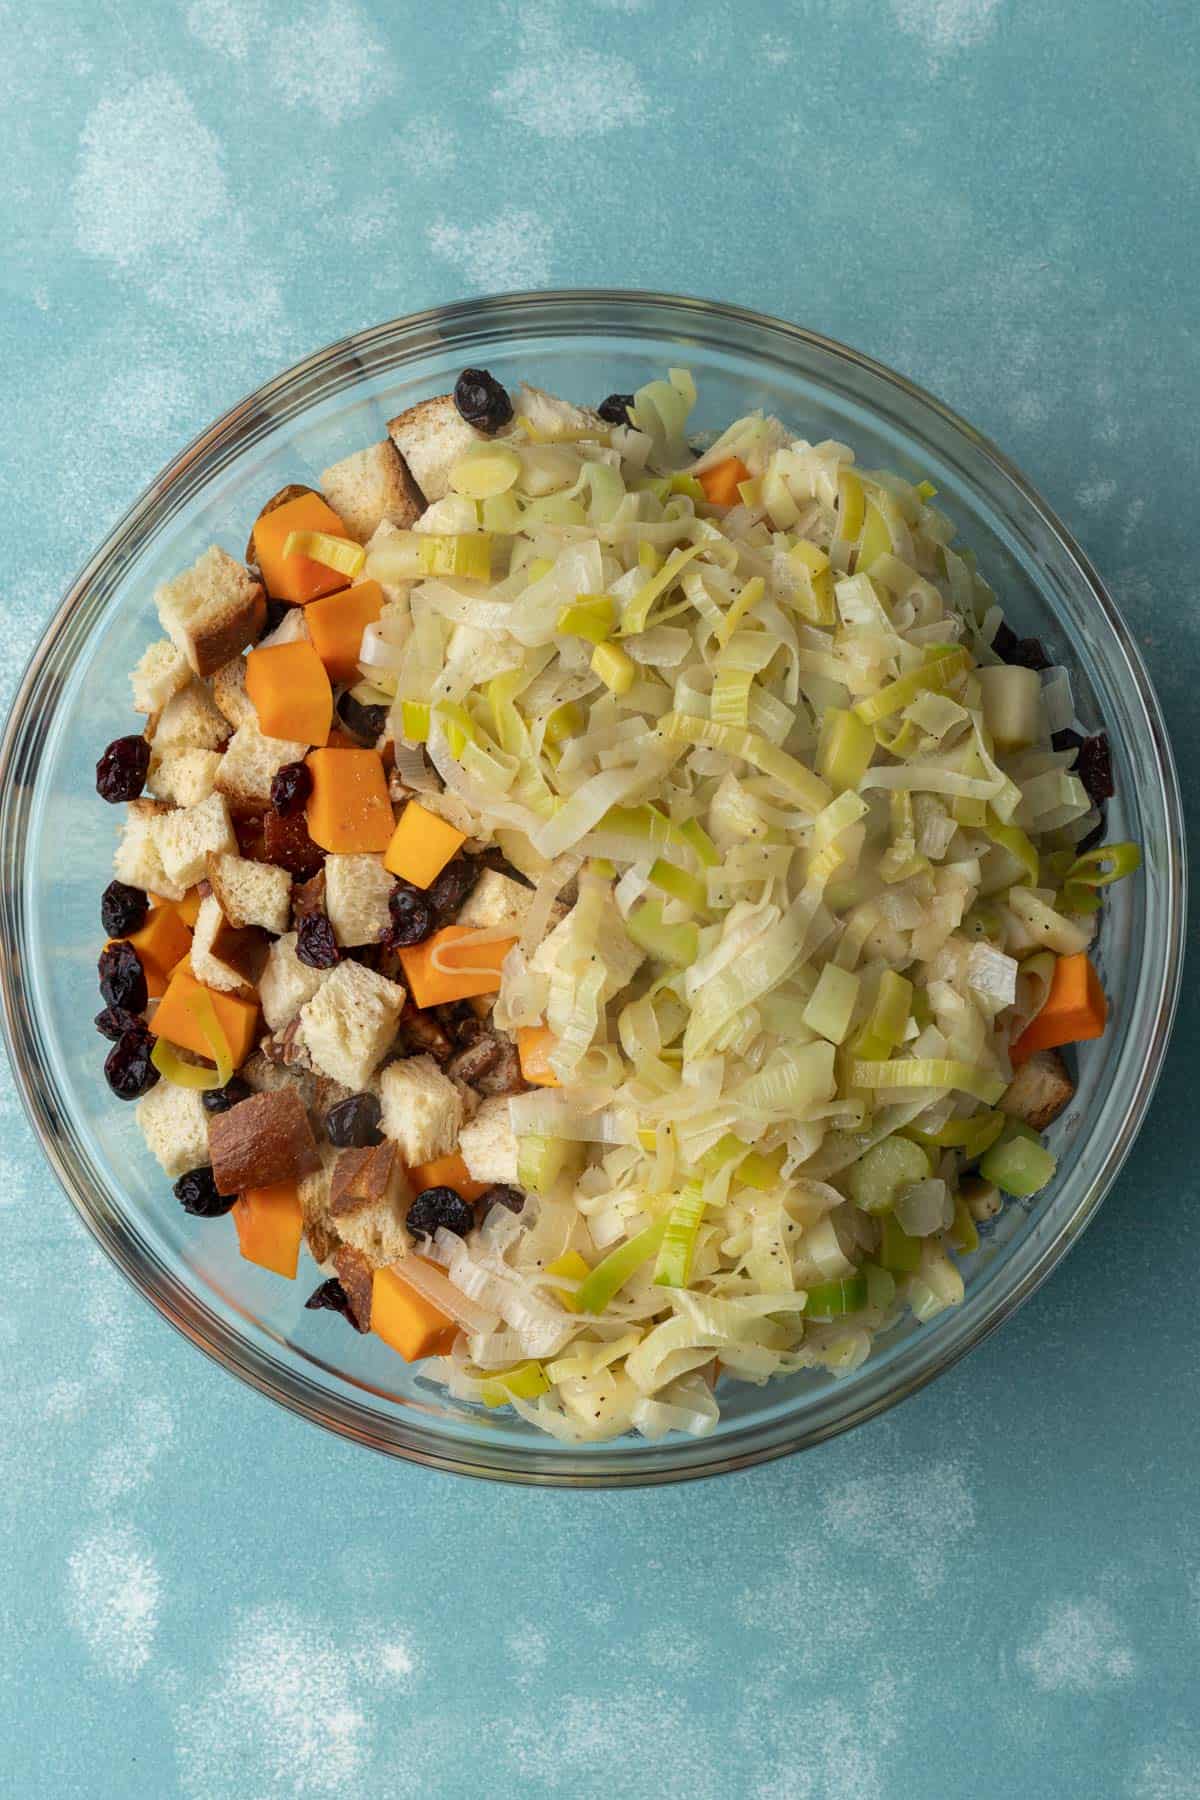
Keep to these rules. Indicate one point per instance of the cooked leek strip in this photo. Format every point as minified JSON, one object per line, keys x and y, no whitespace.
{"x":467,"y":555}
{"x":731,"y":696}
{"x":762,"y":1172}
{"x":852,"y":505}
{"x":832,"y":1299}
{"x":940,"y":668}
{"x":526,"y":1382}
{"x":931,"y":1072}
{"x":1014,"y":840}
{"x":339,"y":553}
{"x":592,"y":617}
{"x":749,"y":597}
{"x":615,"y":667}
{"x":679,"y":884}
{"x":1107,"y":863}
{"x":831,"y":1005}
{"x":674,"y":1265}
{"x":609,"y":1276}
{"x":697,"y":839}
{"x":844,"y":750}
{"x":414,"y":716}
{"x":821,"y":609}
{"x":566,"y":721}
{"x":876,"y":540}
{"x":485,"y":471}
{"x":173,"y":1068}
{"x":972,"y":1136}
{"x":636,"y":611}
{"x":888,"y":1019}
{"x":677,"y":944}
{"x":791,"y":774}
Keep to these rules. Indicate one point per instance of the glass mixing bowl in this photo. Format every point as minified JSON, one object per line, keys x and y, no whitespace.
{"x":56,"y":841}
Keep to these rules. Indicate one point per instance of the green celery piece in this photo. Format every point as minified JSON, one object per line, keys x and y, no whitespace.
{"x":677,"y":944}
{"x":611,"y":1274}
{"x":830,"y":1299}
{"x":898,"y":1253}
{"x":1018,"y":1166}
{"x":674,"y":1265}
{"x":881,"y":1175}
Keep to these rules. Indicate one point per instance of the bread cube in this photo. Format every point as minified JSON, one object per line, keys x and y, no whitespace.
{"x":286,"y":984}
{"x":175,"y":1126}
{"x":251,"y":893}
{"x":187,"y":835}
{"x":356,"y":898}
{"x":371,"y":486}
{"x":137,"y":862}
{"x":184,"y":777}
{"x":211,"y":611}
{"x":495,"y":900}
{"x":189,"y":721}
{"x":423,"y":1110}
{"x":250,"y":765}
{"x":350,"y":1023}
{"x":161,"y":671}
{"x":431,"y":437}
{"x":488,"y":1145}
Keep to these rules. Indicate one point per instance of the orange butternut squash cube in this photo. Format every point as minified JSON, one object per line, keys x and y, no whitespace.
{"x":270,"y":1226}
{"x":348,"y":810}
{"x":720,"y":482}
{"x":535,"y":1044}
{"x":188,"y":908}
{"x":162,"y":940}
{"x":422,"y":844}
{"x":447,"y":1171}
{"x":467,"y":966}
{"x":336,"y":625}
{"x":407,"y":1322}
{"x":290,"y":690}
{"x":296,"y":578}
{"x":1076,"y":1009}
{"x":175,"y":1020}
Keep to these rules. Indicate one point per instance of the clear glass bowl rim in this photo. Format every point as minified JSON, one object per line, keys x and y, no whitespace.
{"x":616,"y":310}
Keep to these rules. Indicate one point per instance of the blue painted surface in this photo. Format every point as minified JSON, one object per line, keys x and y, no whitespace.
{"x":996,"y":1590}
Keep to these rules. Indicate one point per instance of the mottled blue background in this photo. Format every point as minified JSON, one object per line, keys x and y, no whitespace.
{"x":993,"y":1591}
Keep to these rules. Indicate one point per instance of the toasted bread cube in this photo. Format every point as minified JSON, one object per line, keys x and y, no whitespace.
{"x":161,"y":671}
{"x":175,"y":1126}
{"x":261,"y":1141}
{"x":184,"y":777}
{"x":369,"y":1198}
{"x":189,"y":721}
{"x":224,"y":956}
{"x":423,"y":1110}
{"x":186,"y":836}
{"x":488,"y":1145}
{"x":250,"y":765}
{"x":211,"y":611}
{"x":495,"y":900}
{"x":431,"y":437}
{"x":137,"y":862}
{"x":1039,"y":1091}
{"x":371,"y":486}
{"x":357,"y":889}
{"x":251,"y":893}
{"x":350,"y":1023}
{"x":229,"y":692}
{"x":286,"y":984}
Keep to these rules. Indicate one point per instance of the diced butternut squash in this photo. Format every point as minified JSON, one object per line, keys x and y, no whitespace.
{"x":467,"y":967}
{"x":175,"y":1020}
{"x":336,"y":625}
{"x":290,"y":691}
{"x":270,"y":1226}
{"x":188,"y":908}
{"x":422,"y":844}
{"x":348,"y":810}
{"x":720,"y":482}
{"x":1076,"y":1009}
{"x":296,"y":578}
{"x":447,"y":1171}
{"x":535,"y":1044}
{"x":162,"y":940}
{"x":407,"y":1322}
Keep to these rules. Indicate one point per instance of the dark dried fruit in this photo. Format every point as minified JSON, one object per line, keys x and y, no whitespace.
{"x":412,"y":917}
{"x":1095,"y":836}
{"x":501,"y":1194}
{"x":197,"y":1193}
{"x":361,"y":720}
{"x":290,"y":787}
{"x":481,"y":400}
{"x":440,"y":1208}
{"x":121,"y":771}
{"x":122,"y":978}
{"x":1066,"y":740}
{"x":615,"y":409}
{"x":219,"y":1100}
{"x":286,"y":842}
{"x":1094,"y":768}
{"x":315,"y":943}
{"x":114,"y":1022}
{"x":123,"y":909}
{"x":353,"y":1124}
{"x":250,"y":831}
{"x":127,"y":1067}
{"x":447,"y":891}
{"x":329,"y":1297}
{"x":1025,"y":653}
{"x":277,"y":612}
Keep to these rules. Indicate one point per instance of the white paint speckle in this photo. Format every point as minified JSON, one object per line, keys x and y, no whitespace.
{"x":282,"y":1716}
{"x":1167,"y":1772}
{"x":1078,"y":1650}
{"x":912,"y":1513}
{"x":673,"y":1648}
{"x":511,"y":250}
{"x":113,"y":1595}
{"x":563,"y":90}
{"x":1096,"y":496}
{"x":947,"y":26}
{"x":426,"y":148}
{"x":330,"y":62}
{"x":150,"y":173}
{"x":774,"y":50}
{"x":125,"y":1461}
{"x":230,"y":27}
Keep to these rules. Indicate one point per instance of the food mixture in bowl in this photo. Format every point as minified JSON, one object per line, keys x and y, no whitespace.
{"x":619,"y":902}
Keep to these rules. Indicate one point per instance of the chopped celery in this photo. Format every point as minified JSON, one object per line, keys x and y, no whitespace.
{"x":844,"y":749}
{"x":526,"y":1382}
{"x":572,"y":1265}
{"x":878,"y":1178}
{"x":467,"y":555}
{"x":876,"y":537}
{"x":339,"y":553}
{"x":414,"y":716}
{"x":674,"y":1265}
{"x":679,"y":884}
{"x":615,"y":667}
{"x":614,"y":1270}
{"x":761,"y":1171}
{"x":541,"y":1160}
{"x":852,"y":505}
{"x":678,"y":944}
{"x":881,"y":1286}
{"x":898,"y":1253}
{"x":693,"y":834}
{"x":963,"y":1233}
{"x":1018,"y":1166}
{"x":831,"y":1004}
{"x":592,"y":617}
{"x":566,"y":721}
{"x":972,"y":1136}
{"x":830,"y":1299}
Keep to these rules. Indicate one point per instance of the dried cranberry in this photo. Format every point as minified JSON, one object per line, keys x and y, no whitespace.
{"x":1025,"y":653}
{"x":615,"y":409}
{"x":1066,"y":740}
{"x":412,"y":917}
{"x":250,"y":831}
{"x":440,"y":1207}
{"x":114,"y":1022}
{"x":290,"y":787}
{"x":277,"y":612}
{"x":501,"y":1194}
{"x":286,"y":842}
{"x":219,"y":1100}
{"x":123,"y":909}
{"x":1094,"y":768}
{"x":121,"y":771}
{"x":197,"y":1193}
{"x":360,"y":719}
{"x":122,"y":978}
{"x":447,"y":891}
{"x":315,"y":942}
{"x":127,"y":1067}
{"x":481,"y":400}
{"x":353,"y":1124}
{"x":331,"y":1296}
